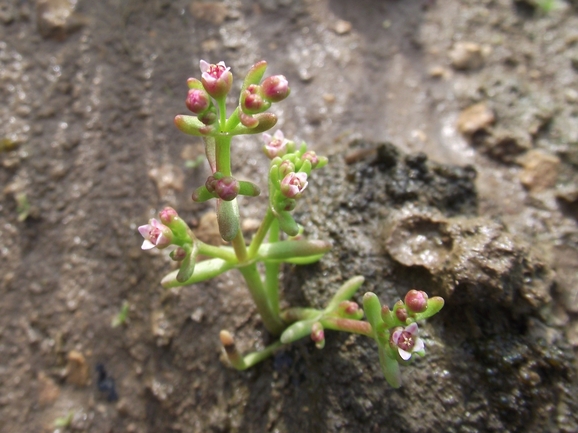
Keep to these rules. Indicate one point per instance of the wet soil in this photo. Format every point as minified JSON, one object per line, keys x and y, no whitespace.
{"x":452,"y":133}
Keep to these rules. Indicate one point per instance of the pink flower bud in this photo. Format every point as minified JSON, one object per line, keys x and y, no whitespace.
{"x":248,"y":120}
{"x":178,"y":254}
{"x":317,"y":333}
{"x":401,"y":314}
{"x":311,"y":157}
{"x":351,"y":308}
{"x":168,"y":215}
{"x":210,"y":184}
{"x":285,"y":168}
{"x":416,"y":301}
{"x":252,"y":102}
{"x":275,"y":145}
{"x":227,"y":188}
{"x":156,"y":235}
{"x":275,"y":88}
{"x":198,"y":101}
{"x":208,"y":117}
{"x":217,"y":79}
{"x":293,"y":185}
{"x":286,"y":205}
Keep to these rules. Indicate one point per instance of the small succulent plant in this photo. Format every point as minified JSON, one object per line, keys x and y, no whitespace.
{"x":278,"y":239}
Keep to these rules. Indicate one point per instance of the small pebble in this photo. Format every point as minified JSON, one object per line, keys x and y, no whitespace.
{"x":342,"y":27}
{"x":76,"y":368}
{"x":197,"y":315}
{"x":540,"y":170}
{"x":475,"y":118}
{"x":466,"y":55}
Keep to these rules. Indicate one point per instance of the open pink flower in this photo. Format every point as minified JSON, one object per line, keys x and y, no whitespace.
{"x":293,"y":184}
{"x":155,"y":234}
{"x":406,"y":341}
{"x":217,"y":79}
{"x":275,"y":145}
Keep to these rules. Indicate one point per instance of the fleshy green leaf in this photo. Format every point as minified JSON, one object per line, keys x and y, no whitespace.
{"x":389,"y":368}
{"x":322,"y":162}
{"x":290,"y":249}
{"x":210,"y":152}
{"x":287,"y":224}
{"x":266,"y":122}
{"x":345,"y":292}
{"x":249,"y":189}
{"x":297,"y":331}
{"x":187,"y":266}
{"x":372,"y":309}
{"x":204,"y":270}
{"x":304,"y":260}
{"x":434,"y":305}
{"x":228,"y":219}
{"x":255,"y":74}
{"x":201,"y":195}
{"x":193,"y":126}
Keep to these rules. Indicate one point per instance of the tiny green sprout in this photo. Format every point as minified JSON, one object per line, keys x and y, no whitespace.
{"x":122,"y":316}
{"x":64,"y":421}
{"x":7,"y":145}
{"x":22,"y":206}
{"x":279,"y":239}
{"x":194,"y":163}
{"x":546,"y":6}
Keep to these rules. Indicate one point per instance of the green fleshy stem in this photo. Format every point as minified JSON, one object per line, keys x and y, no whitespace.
{"x":217,"y":252}
{"x":348,"y":325}
{"x":272,"y":269}
{"x":265,"y":307}
{"x":261,"y":233}
{"x":237,"y":360}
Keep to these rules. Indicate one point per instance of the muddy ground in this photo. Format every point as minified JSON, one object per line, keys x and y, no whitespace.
{"x":452,"y":132}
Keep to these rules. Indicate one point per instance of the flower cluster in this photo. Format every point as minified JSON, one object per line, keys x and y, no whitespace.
{"x":288,"y":176}
{"x":257,"y":95}
{"x":206,"y":99}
